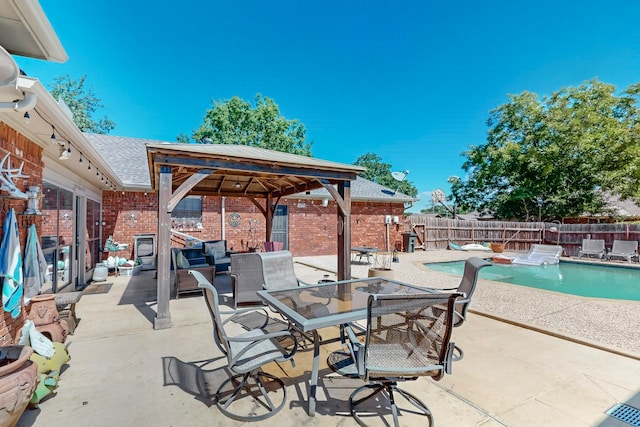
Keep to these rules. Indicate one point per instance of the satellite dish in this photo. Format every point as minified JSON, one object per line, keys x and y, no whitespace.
{"x":438,"y":196}
{"x":399,"y":176}
{"x":9,"y":70}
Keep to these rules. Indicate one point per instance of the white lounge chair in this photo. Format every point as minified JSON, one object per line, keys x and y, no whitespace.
{"x":592,"y":247}
{"x":540,"y":254}
{"x":626,"y":249}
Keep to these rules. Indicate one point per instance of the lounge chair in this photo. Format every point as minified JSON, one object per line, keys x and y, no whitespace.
{"x":540,"y":254}
{"x":626,"y":249}
{"x":592,"y":247}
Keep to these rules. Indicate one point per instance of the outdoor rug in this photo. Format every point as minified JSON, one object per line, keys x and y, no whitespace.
{"x":97,"y":288}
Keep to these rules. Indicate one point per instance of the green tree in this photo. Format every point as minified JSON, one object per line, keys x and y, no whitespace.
{"x":380,"y":172}
{"x":82,"y":102}
{"x":236,"y":121}
{"x":548,"y":157}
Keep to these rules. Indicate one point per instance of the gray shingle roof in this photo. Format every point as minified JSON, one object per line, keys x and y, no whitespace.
{"x":364,"y":190}
{"x":127,"y":157}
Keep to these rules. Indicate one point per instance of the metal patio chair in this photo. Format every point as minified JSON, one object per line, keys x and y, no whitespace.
{"x":247,"y":352}
{"x":467,"y":287}
{"x":408,"y":336}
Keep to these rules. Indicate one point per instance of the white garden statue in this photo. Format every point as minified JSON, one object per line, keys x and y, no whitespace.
{"x":8,"y":174}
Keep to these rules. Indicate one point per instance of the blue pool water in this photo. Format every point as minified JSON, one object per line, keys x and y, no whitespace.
{"x":588,"y":280}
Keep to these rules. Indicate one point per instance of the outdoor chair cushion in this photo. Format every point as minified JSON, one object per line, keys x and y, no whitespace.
{"x":216,"y":252}
{"x":181,"y":260}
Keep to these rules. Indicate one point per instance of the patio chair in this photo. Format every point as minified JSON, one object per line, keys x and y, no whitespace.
{"x":626,"y":249}
{"x":279,"y":273}
{"x":592,"y":247}
{"x":254,"y":271}
{"x":408,"y":336}
{"x":247,"y":351}
{"x":466,"y":287}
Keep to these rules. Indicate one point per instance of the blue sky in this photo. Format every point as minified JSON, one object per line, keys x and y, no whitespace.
{"x":412,"y":81}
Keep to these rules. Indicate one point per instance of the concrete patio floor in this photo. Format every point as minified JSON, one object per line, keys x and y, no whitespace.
{"x":124,"y":373}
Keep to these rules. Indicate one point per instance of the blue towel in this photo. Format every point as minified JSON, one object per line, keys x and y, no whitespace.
{"x":11,"y":266}
{"x":35,"y":265}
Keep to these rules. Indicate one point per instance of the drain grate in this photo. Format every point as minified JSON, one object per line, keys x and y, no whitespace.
{"x":625,"y":413}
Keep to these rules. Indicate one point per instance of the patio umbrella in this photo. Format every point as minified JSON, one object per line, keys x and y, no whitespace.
{"x":35,"y":265}
{"x":11,"y":266}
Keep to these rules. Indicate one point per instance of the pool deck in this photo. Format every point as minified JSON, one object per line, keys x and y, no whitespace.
{"x":124,"y":373}
{"x":613,"y":324}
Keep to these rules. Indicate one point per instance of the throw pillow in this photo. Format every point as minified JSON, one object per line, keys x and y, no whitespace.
{"x":182,"y":261}
{"x":216,"y":249}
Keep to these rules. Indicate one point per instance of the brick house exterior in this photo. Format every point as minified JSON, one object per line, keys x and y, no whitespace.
{"x":312,"y":228}
{"x":95,"y":186}
{"x":20,"y":149}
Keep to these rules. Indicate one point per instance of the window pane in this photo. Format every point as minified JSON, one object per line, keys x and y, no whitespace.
{"x":189,"y":208}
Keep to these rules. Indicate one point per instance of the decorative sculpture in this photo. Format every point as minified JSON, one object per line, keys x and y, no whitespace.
{"x":33,"y":201}
{"x":7,"y":175}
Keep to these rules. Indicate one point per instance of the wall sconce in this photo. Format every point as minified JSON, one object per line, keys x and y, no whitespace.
{"x":325,"y":202}
{"x":66,"y":220}
{"x":132,"y":219}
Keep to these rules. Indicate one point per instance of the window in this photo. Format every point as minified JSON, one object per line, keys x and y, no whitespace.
{"x":188,"y":213}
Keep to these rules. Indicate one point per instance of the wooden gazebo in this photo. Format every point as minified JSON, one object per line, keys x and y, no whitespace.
{"x":263,"y":176}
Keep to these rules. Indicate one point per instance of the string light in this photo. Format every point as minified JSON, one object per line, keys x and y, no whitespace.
{"x":89,"y":167}
{"x":53,"y":133}
{"x":81,"y":157}
{"x":26,"y":117}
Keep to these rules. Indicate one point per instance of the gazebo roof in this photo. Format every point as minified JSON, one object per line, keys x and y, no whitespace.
{"x":244,"y":171}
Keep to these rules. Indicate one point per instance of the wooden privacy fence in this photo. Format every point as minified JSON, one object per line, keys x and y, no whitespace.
{"x":436,"y":233}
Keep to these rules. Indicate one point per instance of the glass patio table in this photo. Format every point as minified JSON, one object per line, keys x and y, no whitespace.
{"x":319,"y":306}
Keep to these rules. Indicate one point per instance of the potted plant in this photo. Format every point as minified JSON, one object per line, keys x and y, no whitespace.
{"x":382,"y":265}
{"x":137,"y":266}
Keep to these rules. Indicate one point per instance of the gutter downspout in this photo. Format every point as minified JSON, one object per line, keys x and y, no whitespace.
{"x":222,"y":216}
{"x":27,"y":103}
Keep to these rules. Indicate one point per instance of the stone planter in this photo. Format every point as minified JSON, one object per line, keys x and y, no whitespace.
{"x":385,"y":273}
{"x":497,"y":247}
{"x":18,"y":379}
{"x":46,"y":318}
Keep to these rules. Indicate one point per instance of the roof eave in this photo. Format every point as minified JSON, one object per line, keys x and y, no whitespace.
{"x":37,"y":24}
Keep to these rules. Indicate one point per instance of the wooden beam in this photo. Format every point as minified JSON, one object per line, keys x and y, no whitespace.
{"x":342,"y":206}
{"x":344,"y":234}
{"x":163,"y":315}
{"x":186,"y":187}
{"x":251,"y":168}
{"x":269,"y":218}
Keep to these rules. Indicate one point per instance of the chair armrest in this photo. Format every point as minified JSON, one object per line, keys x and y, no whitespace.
{"x":353,"y":346}
{"x":438,"y":289}
{"x":254,"y":340}
{"x":449,"y":357}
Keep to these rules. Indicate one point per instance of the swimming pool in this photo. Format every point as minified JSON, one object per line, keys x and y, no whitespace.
{"x":588,"y":280}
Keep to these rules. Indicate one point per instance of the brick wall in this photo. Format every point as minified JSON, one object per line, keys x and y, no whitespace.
{"x":312,"y":228}
{"x":21,"y":149}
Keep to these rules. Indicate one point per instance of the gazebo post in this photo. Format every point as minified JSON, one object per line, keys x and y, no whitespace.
{"x":344,"y":231}
{"x":163,"y":315}
{"x":269,"y":218}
